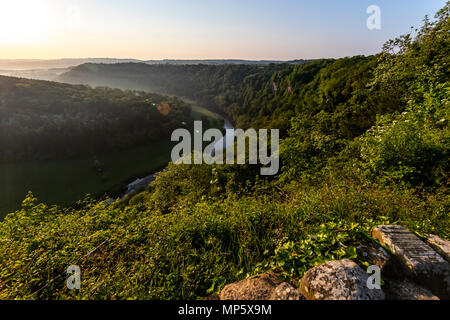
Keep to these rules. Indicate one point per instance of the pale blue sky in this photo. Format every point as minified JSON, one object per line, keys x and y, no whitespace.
{"x":241,"y":29}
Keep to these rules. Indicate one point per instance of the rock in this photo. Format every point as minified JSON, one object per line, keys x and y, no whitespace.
{"x":338,"y":280}
{"x":264,"y":287}
{"x":378,"y":256}
{"x":285,"y":291}
{"x":248,"y":289}
{"x":417,"y":259}
{"x":374,"y":255}
{"x":407,"y":290}
{"x":440,"y":245}
{"x":212,"y":297}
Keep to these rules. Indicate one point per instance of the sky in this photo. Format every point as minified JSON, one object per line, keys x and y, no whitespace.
{"x":202,"y":29}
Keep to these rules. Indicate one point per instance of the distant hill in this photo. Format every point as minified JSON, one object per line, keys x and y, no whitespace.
{"x":50,"y":69}
{"x":33,"y":64}
{"x":35,"y":74}
{"x":222,"y":61}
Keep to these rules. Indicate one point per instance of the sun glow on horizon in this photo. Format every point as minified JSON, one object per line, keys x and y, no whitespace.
{"x":24,"y":22}
{"x":201,"y":29}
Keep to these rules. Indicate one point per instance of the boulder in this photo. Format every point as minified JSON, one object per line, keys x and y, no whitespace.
{"x":285,"y":291}
{"x":264,"y":287}
{"x":407,"y":290}
{"x":418,"y":260}
{"x":338,"y":280}
{"x":440,"y":245}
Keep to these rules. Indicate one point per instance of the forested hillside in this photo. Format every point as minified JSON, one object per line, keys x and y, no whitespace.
{"x":366,"y":141}
{"x":206,"y":84}
{"x":46,"y":120}
{"x":256,"y":96}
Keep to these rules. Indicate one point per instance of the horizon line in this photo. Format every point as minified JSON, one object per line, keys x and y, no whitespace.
{"x":178,"y":59}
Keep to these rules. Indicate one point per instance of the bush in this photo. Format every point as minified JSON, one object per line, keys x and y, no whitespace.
{"x":412,"y":148}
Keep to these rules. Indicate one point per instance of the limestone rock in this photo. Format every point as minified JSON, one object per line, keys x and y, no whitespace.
{"x":338,"y":280}
{"x":248,"y":289}
{"x":378,"y":256}
{"x":417,"y":259}
{"x":264,"y":287}
{"x":440,"y":245}
{"x":407,"y":290}
{"x":285,"y":291}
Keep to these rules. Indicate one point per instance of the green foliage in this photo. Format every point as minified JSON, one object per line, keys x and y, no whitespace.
{"x":307,"y":148}
{"x":411,"y":148}
{"x":194,"y":250}
{"x":400,"y":104}
{"x":330,"y":242}
{"x":412,"y":64}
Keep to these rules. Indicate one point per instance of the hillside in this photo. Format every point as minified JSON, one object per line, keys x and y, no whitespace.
{"x":47,"y":120}
{"x":256,"y":96}
{"x":365,"y":141}
{"x":202,"y":83}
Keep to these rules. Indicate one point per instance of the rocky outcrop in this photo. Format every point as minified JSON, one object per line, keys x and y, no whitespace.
{"x":264,"y":287}
{"x":418,"y":260}
{"x":441,"y":246}
{"x":407,"y":290}
{"x":338,"y":280}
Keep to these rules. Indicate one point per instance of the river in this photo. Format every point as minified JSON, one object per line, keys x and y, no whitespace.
{"x":226,"y":141}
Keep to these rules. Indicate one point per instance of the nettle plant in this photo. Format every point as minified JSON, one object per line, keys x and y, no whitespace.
{"x":331,"y":241}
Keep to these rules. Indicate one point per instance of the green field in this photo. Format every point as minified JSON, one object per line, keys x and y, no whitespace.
{"x":63,"y":182}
